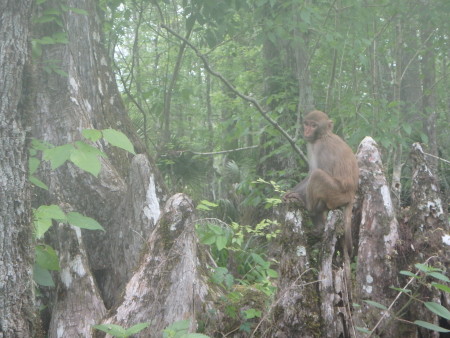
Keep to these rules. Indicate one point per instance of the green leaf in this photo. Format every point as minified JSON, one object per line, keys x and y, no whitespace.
{"x":41,"y":226}
{"x":43,"y":217}
{"x":86,"y":158}
{"x":137,"y":328}
{"x":408,"y":273}
{"x":177,"y":329}
{"x":272,"y":273}
{"x":118,"y":139}
{"x":42,"y":276}
{"x":37,"y":182}
{"x":221,"y":242}
{"x":33,"y":164}
{"x":112,"y":329}
{"x":439,"y":276}
{"x":252,"y":313}
{"x":362,"y":329}
{"x":438,"y":309}
{"x":430,"y":326}
{"x":425,"y":268}
{"x":46,"y":257}
{"x":58,"y":155}
{"x":216,"y":229}
{"x":50,"y":211}
{"x":84,"y":222}
{"x":401,"y":290}
{"x":92,"y":134}
{"x":442,"y":287}
{"x":194,"y":335}
{"x":376,"y":304}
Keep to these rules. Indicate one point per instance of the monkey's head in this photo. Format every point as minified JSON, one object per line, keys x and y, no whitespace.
{"x":315,"y":125}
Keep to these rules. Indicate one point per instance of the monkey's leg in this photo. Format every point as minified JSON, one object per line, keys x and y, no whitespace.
{"x":324,"y":188}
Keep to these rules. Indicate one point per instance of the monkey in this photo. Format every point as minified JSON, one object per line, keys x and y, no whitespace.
{"x":333,"y":175}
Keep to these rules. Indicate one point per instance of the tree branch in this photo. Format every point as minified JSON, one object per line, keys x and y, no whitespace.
{"x":250,"y":99}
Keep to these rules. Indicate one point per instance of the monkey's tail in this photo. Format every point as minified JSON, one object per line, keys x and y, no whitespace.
{"x":348,"y":229}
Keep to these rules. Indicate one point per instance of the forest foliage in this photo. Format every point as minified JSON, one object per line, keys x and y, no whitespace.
{"x":378,"y":68}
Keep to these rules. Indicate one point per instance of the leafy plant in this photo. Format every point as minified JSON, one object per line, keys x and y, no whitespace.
{"x":87,"y":158}
{"x":119,"y":331}
{"x":180,"y":329}
{"x":252,"y":279}
{"x":424,"y":273}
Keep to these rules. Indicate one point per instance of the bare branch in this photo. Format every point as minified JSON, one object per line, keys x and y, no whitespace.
{"x":247,"y":98}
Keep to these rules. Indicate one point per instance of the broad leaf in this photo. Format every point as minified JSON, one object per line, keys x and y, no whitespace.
{"x":42,"y":276}
{"x":441,"y":287}
{"x":376,"y":304}
{"x":92,"y":134}
{"x":112,"y":329}
{"x":438,"y":309}
{"x":430,"y":326}
{"x":136,"y":328}
{"x":37,"y":182}
{"x":46,"y":257}
{"x":86,"y":158}
{"x":118,"y":139}
{"x":80,"y":221}
{"x":58,"y":155}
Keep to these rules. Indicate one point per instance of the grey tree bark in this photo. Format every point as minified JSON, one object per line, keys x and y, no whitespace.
{"x":17,"y":315}
{"x":377,"y":270}
{"x":172,"y":281}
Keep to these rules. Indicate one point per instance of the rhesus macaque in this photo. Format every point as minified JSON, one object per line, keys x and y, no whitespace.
{"x":333,"y":174}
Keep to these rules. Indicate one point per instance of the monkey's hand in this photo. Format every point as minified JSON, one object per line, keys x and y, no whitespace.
{"x":293,"y":197}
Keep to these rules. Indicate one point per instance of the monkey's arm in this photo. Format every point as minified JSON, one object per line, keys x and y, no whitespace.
{"x":297,"y":194}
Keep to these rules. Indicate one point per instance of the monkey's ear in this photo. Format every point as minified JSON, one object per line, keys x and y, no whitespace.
{"x":330,"y":125}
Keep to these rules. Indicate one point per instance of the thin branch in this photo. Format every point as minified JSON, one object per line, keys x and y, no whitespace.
{"x":437,"y":157}
{"x":249,"y":99}
{"x":223,"y":151}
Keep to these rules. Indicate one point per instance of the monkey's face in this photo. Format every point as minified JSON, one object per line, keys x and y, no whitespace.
{"x":310,"y":130}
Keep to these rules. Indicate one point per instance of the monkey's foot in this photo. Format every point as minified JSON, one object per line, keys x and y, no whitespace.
{"x":293,"y":198}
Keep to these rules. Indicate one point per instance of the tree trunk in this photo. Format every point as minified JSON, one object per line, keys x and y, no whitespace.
{"x":428,"y":221}
{"x":124,"y":200}
{"x":378,"y":235}
{"x":17,"y":313}
{"x":172,"y":282}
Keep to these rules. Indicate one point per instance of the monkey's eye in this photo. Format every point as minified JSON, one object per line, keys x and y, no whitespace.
{"x":310,"y":124}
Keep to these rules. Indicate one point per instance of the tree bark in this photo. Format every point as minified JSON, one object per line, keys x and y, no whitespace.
{"x":172,"y":282}
{"x":17,"y":314}
{"x":378,"y":235}
{"x":124,"y":198}
{"x":428,"y":221}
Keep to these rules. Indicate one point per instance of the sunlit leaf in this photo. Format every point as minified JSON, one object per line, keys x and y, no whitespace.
{"x":118,"y":139}
{"x":46,"y":257}
{"x":137,"y":328}
{"x":58,"y":155}
{"x":376,"y":304}
{"x":84,"y":222}
{"x":430,"y":326}
{"x":438,"y":309}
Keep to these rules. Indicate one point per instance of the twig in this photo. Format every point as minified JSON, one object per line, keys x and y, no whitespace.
{"x":396,"y":298}
{"x":247,"y":98}
{"x":439,"y":158}
{"x":223,"y":151}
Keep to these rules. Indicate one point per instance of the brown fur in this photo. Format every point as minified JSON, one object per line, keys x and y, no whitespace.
{"x":333,"y":174}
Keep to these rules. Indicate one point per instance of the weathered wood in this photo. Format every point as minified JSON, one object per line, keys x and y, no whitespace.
{"x":78,"y":304}
{"x":378,"y":235}
{"x":171,"y":283}
{"x":296,"y":311}
{"x":428,"y":221}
